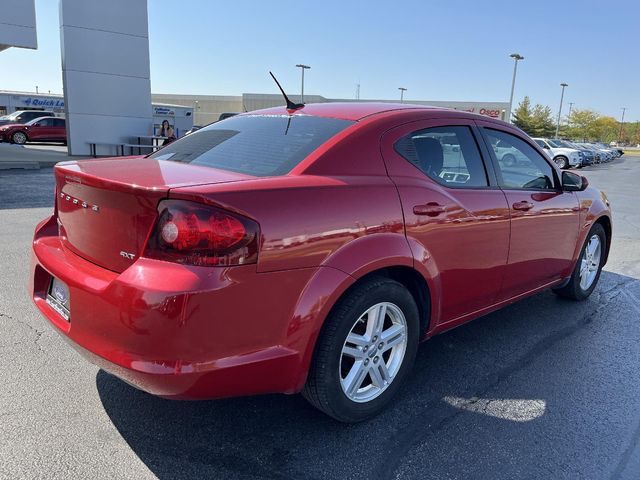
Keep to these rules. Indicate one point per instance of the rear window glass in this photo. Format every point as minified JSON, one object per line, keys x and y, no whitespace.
{"x":258,"y":145}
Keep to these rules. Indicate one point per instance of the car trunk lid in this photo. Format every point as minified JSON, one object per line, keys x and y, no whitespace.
{"x":106,"y":208}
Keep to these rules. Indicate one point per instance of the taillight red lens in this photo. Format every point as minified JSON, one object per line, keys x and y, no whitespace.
{"x":196,"y":234}
{"x":226,"y":231}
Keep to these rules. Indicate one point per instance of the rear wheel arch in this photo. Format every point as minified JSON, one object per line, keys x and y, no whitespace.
{"x":414,"y":281}
{"x":391,"y":255}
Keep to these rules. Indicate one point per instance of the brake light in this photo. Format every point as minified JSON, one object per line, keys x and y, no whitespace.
{"x":196,"y":234}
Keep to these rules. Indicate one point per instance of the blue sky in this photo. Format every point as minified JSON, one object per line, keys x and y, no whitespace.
{"x":439,"y":50}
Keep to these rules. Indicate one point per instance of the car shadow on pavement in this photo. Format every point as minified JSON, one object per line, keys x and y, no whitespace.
{"x":519,"y":390}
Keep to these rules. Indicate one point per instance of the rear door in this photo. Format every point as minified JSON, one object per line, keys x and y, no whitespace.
{"x":59,"y":130}
{"x":453,"y":210}
{"x":544,"y":219}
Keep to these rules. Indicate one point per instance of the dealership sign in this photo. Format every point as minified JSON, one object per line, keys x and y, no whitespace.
{"x":42,"y":102}
{"x":163,"y":111}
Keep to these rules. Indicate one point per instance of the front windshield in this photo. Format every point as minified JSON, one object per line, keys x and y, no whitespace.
{"x":12,"y":116}
{"x":556,"y":143}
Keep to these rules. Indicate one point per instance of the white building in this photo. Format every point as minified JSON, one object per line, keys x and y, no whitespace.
{"x":207,"y":108}
{"x":180,"y":117}
{"x":18,"y":24}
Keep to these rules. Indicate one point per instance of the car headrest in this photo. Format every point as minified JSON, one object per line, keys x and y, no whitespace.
{"x":430,"y":154}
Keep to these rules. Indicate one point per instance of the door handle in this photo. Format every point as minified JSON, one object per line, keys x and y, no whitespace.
{"x":431,"y":209}
{"x":524,"y":205}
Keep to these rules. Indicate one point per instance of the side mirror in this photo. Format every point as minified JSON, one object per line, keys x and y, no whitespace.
{"x":546,"y":146}
{"x":35,"y":125}
{"x":572,"y":182}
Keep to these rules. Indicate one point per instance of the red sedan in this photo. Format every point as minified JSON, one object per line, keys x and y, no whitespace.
{"x":43,"y":129}
{"x":308,"y":250}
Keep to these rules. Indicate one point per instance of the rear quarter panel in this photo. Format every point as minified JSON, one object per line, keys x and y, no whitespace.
{"x":304,"y":221}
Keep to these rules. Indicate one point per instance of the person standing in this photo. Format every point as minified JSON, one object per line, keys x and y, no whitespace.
{"x":167,"y":131}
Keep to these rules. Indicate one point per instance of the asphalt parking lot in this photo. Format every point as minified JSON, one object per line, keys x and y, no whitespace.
{"x":546,"y":388}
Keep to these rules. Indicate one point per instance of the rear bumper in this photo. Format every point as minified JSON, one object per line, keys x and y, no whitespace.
{"x":172,"y":330}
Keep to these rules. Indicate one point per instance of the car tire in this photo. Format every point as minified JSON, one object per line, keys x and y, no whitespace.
{"x":332,"y":368}
{"x":509,"y":160}
{"x":561,"y":162}
{"x":19,"y":138}
{"x":582,"y":282}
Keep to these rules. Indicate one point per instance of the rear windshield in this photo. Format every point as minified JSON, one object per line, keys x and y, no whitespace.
{"x":258,"y":145}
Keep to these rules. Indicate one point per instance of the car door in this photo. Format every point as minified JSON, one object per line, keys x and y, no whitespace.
{"x":41,"y":130}
{"x":456,"y":217}
{"x":59,"y":130}
{"x":544,"y":218}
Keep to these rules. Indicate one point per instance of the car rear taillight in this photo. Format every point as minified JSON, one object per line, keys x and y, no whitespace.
{"x":196,"y":234}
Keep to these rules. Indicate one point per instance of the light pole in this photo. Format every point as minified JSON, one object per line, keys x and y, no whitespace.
{"x":516,"y":57}
{"x":303,"y":68}
{"x":402,"y":90}
{"x":571,"y":104}
{"x":563,"y":85}
{"x":621,"y":124}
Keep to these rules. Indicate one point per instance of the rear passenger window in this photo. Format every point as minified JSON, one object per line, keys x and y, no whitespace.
{"x":448,"y":155}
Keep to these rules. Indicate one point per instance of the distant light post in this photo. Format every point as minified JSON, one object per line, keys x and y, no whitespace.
{"x":571,"y":104}
{"x":402,"y":90}
{"x":303,"y":68}
{"x":624,"y":109}
{"x":563,"y":85}
{"x":516,"y":57}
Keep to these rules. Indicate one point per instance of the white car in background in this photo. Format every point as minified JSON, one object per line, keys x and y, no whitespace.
{"x":562,"y":156}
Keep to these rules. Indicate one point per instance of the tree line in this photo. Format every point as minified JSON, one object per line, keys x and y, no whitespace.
{"x":581,"y":124}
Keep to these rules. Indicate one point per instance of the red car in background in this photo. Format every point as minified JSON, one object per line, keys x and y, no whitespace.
{"x":308,"y":249}
{"x":43,"y":129}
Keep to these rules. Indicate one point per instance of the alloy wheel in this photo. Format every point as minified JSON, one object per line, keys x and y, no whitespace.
{"x":561,"y":162}
{"x":19,"y":138}
{"x":373,"y":352}
{"x":590,"y":262}
{"x":509,"y":160}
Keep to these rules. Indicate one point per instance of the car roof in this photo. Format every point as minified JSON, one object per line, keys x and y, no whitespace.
{"x":348,"y":110}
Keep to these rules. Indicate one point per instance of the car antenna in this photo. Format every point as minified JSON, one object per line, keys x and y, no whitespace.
{"x":290,"y":104}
